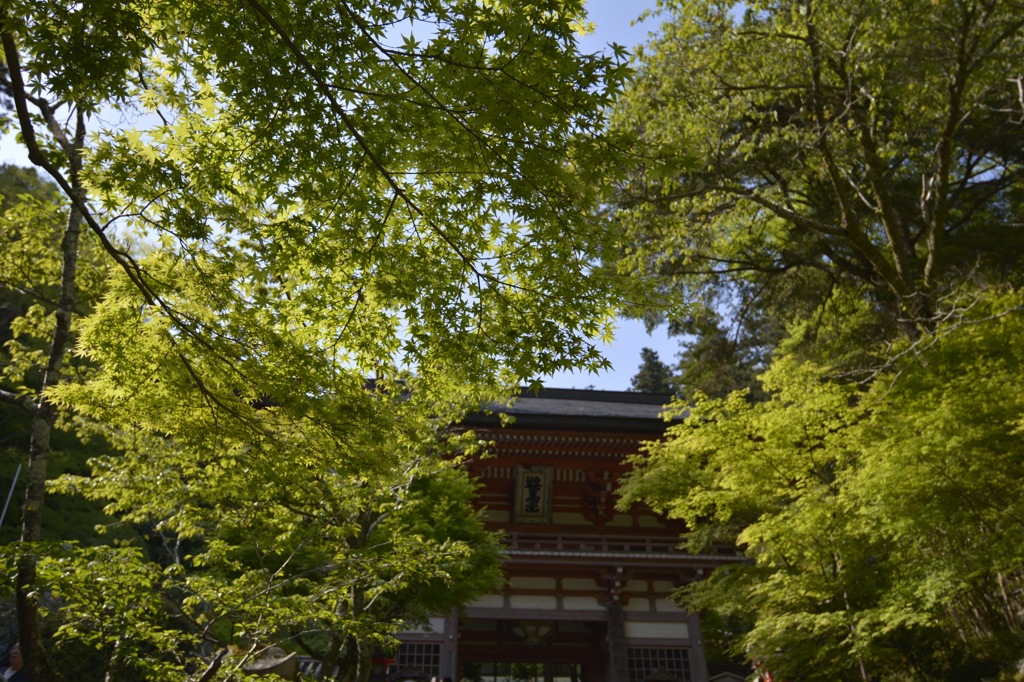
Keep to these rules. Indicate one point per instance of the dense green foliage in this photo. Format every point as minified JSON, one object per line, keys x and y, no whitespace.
{"x":796,"y":149}
{"x":883,"y":522}
{"x":31,"y":224}
{"x":297,"y":542}
{"x":830,"y":194}
{"x":294,"y":198}
{"x":420,"y":172}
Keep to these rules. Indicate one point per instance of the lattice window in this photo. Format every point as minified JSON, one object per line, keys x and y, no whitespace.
{"x":423,"y":656}
{"x":647,"y":662}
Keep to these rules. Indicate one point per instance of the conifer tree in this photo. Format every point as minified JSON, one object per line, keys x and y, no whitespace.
{"x":653,"y":376}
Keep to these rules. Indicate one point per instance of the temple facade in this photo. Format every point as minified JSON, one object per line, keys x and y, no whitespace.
{"x":587,"y":596}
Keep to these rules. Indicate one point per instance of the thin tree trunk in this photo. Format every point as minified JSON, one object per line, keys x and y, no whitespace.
{"x":332,"y":654}
{"x":114,"y":664}
{"x":365,"y":661}
{"x":348,"y":665}
{"x":43,"y":418}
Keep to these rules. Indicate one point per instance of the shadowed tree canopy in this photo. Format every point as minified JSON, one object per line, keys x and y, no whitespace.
{"x":17,"y":180}
{"x":830,"y":193}
{"x":796,"y":148}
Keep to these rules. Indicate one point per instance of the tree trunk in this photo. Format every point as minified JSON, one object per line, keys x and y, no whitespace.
{"x":364,"y":661}
{"x":43,"y":418}
{"x":332,"y":655}
{"x":114,"y":664}
{"x":350,"y":667}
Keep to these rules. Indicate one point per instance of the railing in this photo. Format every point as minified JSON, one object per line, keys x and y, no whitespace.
{"x":591,"y":543}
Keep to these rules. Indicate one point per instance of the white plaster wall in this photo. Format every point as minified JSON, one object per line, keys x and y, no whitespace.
{"x":640,"y":630}
{"x":667,"y":606}
{"x":581,"y":604}
{"x":637,"y":605}
{"x":523,"y":601}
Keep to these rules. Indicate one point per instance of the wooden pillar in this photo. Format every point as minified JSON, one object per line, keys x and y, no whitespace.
{"x":450,"y":647}
{"x":698,"y":661}
{"x":618,"y":665}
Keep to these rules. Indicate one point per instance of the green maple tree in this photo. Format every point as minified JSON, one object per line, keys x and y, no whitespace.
{"x":295,"y":198}
{"x":878,"y":518}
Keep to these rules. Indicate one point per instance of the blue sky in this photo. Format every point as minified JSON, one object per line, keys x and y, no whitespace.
{"x":614,"y":22}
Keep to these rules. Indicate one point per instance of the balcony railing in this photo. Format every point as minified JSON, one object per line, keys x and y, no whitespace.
{"x":591,"y":543}
{"x":624,"y":546}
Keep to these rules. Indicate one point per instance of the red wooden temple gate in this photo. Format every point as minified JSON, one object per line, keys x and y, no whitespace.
{"x":587,"y":594}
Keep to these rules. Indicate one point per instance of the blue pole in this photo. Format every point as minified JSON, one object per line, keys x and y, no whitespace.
{"x":10,"y":494}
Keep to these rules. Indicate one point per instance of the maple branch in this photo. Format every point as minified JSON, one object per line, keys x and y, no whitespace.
{"x":129,"y":265}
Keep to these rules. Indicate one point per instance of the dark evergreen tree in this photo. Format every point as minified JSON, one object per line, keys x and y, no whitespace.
{"x":654,"y":376}
{"x":717,"y":357}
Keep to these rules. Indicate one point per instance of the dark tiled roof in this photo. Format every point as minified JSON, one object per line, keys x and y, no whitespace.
{"x":604,"y":410}
{"x":575,"y":407}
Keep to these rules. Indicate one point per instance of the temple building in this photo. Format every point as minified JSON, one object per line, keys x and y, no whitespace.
{"x":587,"y":596}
